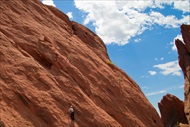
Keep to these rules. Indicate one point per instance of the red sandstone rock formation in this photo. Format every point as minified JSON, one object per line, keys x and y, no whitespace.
{"x":48,"y":63}
{"x":172,"y":111}
{"x":184,"y":62}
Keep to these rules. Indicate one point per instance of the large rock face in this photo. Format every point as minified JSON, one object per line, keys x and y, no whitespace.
{"x":184,"y":62}
{"x":48,"y":63}
{"x":172,"y":111}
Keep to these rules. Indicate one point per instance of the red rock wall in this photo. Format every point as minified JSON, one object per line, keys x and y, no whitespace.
{"x":48,"y":63}
{"x":184,"y":62}
{"x":172,"y":111}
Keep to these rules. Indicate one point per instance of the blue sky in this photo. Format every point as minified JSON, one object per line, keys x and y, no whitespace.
{"x":139,"y":36}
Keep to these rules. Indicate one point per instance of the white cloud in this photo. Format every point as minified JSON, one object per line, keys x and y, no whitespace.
{"x":48,"y":2}
{"x":162,"y":58}
{"x":156,"y":93}
{"x":182,"y":86}
{"x":119,"y":21}
{"x":145,"y":87}
{"x":152,"y":72}
{"x":182,"y":5}
{"x":70,"y":15}
{"x":137,"y":40}
{"x":173,"y":43}
{"x":169,"y":68}
{"x":169,"y":21}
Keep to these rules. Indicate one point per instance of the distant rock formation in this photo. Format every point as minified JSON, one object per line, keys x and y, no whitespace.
{"x":184,"y":62}
{"x":48,"y":63}
{"x":172,"y":111}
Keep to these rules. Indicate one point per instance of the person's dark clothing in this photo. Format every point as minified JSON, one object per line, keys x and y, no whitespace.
{"x":72,"y":115}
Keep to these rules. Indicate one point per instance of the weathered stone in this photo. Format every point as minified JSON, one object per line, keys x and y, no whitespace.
{"x":184,"y":62}
{"x":172,"y":111}
{"x":48,"y":63}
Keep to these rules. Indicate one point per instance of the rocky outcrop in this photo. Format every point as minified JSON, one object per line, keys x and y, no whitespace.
{"x":172,"y":111}
{"x":49,"y":63}
{"x":184,"y":62}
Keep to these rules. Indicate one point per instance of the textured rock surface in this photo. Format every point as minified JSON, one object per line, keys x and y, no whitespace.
{"x":48,"y":63}
{"x":172,"y":111}
{"x":184,"y":62}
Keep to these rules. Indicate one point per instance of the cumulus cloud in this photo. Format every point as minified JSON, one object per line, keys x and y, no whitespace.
{"x":48,"y":2}
{"x":156,"y":93}
{"x":152,"y":72}
{"x":119,"y":21}
{"x":169,"y":68}
{"x":173,"y":42}
{"x":169,"y":21}
{"x":182,"y":5}
{"x":70,"y":15}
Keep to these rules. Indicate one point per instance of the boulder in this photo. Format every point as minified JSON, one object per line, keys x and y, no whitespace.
{"x":172,"y":111}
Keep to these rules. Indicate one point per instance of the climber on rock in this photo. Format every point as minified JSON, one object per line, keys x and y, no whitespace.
{"x":72,"y":113}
